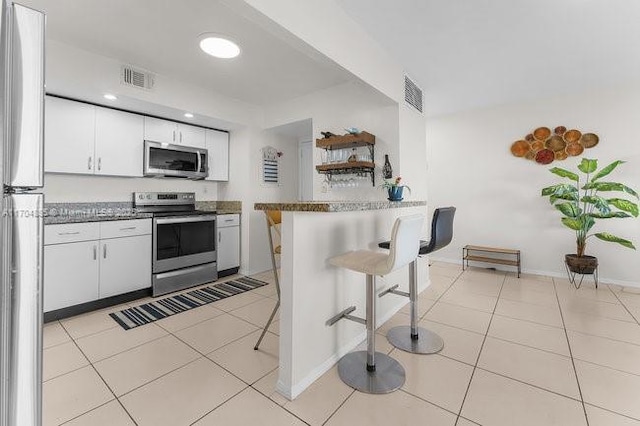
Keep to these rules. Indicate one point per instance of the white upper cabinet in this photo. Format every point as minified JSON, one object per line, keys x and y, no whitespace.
{"x":119,"y":143}
{"x":217,"y":144}
{"x":191,"y":135}
{"x":158,"y":130}
{"x":69,"y":136}
{"x":165,"y":131}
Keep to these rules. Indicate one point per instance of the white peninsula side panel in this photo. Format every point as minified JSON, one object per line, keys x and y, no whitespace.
{"x":313,"y":290}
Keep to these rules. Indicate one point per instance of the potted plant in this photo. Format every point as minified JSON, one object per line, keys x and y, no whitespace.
{"x":583,"y":201}
{"x":394,"y":187}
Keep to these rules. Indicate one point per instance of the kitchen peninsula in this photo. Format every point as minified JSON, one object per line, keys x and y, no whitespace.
{"x":313,"y":291}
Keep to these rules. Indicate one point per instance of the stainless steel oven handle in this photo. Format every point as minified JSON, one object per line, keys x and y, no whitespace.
{"x":186,"y":219}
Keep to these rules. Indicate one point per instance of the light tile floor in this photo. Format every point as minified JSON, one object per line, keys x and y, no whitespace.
{"x":527,"y":351}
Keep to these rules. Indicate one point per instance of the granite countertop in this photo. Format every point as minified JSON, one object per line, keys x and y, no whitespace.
{"x":337,"y":206}
{"x":60,"y":213}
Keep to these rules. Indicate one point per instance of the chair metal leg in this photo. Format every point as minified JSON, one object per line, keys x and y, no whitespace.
{"x":370,"y":371}
{"x":274,"y":266}
{"x":412,"y":338}
{"x":267,"y":325}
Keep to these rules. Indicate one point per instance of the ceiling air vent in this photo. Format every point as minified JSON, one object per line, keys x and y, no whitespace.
{"x":412,"y":94}
{"x":136,"y":78}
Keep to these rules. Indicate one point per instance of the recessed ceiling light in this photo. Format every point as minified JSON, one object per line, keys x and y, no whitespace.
{"x":188,"y":115}
{"x":110,"y":97}
{"x":219,"y":47}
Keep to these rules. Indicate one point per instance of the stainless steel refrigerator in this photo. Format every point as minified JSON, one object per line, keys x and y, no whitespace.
{"x":21,"y":233}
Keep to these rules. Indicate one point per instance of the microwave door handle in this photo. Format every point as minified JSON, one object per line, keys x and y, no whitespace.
{"x":199,"y":162}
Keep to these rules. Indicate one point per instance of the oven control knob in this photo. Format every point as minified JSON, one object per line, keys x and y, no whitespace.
{"x":141,"y":196}
{"x":148,"y":196}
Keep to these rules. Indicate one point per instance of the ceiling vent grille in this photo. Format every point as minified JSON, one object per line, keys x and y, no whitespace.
{"x":412,"y":94}
{"x":136,"y":78}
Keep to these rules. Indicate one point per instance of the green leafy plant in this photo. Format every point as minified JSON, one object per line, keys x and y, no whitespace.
{"x":394,"y":183}
{"x":582,"y":202}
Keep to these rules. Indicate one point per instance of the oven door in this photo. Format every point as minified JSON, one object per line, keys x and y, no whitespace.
{"x":161,"y":159}
{"x":181,"y":242}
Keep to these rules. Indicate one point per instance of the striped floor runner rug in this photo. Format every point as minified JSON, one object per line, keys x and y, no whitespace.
{"x":163,"y":308}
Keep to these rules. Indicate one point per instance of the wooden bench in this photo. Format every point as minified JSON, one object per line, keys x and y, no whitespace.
{"x":468,"y":253}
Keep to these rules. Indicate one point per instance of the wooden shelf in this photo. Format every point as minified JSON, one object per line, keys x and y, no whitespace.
{"x":513,"y":261}
{"x":324,"y":168}
{"x":491,"y":260}
{"x":347,"y":141}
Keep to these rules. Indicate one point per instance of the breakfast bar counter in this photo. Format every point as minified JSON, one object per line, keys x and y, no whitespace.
{"x":312,"y":291}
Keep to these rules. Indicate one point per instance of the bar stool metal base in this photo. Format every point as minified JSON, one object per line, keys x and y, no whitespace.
{"x":427,"y":342}
{"x":388,"y":376}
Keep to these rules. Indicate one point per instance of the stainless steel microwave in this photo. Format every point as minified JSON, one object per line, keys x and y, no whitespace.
{"x":163,"y":159}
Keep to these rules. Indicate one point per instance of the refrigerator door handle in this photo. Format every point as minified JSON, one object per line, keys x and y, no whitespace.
{"x":25,"y":150}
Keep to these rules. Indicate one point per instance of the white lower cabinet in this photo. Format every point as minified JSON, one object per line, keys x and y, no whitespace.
{"x":89,"y":261}
{"x":125,"y":265}
{"x":71,"y":273}
{"x":228,"y":241}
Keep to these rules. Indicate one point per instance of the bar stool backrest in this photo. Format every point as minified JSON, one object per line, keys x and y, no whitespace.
{"x":441,"y":229}
{"x":405,"y":241}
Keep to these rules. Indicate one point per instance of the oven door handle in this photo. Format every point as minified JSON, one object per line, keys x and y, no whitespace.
{"x":164,"y":221}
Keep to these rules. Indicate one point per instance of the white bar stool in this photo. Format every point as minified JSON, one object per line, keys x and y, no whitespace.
{"x":370,"y":371}
{"x":412,"y":338}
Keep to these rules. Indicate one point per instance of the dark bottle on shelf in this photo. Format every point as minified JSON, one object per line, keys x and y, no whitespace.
{"x":387,"y":172}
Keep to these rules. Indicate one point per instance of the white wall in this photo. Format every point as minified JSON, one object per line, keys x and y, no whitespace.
{"x":59,"y":188}
{"x":327,"y":28}
{"x":349,"y":105}
{"x":498,"y":195}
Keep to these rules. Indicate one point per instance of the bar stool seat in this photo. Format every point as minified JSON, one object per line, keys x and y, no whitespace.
{"x":370,"y":371}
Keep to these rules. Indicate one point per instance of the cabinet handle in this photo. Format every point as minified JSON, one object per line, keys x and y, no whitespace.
{"x":174,"y":135}
{"x":104,"y":251}
{"x":89,"y":164}
{"x":69,"y":233}
{"x":95,"y":252}
{"x":99,"y":163}
{"x":128,"y":228}
{"x":219,"y":236}
{"x":180,"y":137}
{"x":228,"y":220}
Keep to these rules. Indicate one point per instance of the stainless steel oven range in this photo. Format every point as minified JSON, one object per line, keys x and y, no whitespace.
{"x":184,"y":242}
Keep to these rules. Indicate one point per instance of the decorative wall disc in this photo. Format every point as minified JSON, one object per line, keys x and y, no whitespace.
{"x":544,"y":146}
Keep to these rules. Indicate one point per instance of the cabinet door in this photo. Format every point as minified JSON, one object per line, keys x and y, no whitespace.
{"x":125,"y":265}
{"x":158,"y":130}
{"x":228,"y":248}
{"x":69,"y":133}
{"x":70,"y":274}
{"x":119,"y":143}
{"x":218,"y":151}
{"x":191,"y":136}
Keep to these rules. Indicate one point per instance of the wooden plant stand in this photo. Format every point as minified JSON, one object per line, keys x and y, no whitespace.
{"x":484,"y":254}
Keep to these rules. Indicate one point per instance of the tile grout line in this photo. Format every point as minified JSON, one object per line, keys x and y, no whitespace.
{"x":353,"y":391}
{"x":466,"y":393}
{"x":624,"y":305}
{"x":103,"y":381}
{"x":573,"y":363}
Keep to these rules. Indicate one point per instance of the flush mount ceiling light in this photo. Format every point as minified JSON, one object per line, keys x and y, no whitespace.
{"x":218,"y":46}
{"x":188,"y":115}
{"x":110,"y":97}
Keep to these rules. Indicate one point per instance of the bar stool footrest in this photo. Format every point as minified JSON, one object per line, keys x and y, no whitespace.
{"x":427,"y":342}
{"x":345,"y":314}
{"x":393,"y":290}
{"x":388,"y":376}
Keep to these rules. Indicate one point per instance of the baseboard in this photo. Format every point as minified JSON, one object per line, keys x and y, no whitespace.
{"x":316,"y":373}
{"x":555,"y":274}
